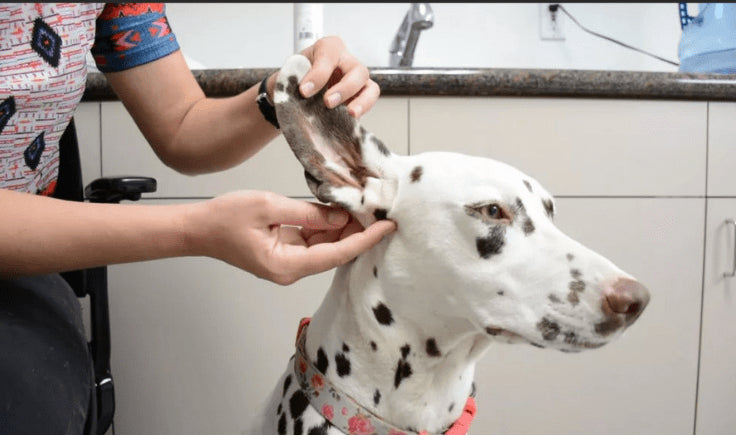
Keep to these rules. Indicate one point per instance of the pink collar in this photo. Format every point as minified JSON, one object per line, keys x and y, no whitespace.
{"x":343,"y":411}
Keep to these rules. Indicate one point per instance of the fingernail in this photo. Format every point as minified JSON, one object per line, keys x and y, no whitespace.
{"x":307,"y":89}
{"x":334,"y":99}
{"x":336,"y":218}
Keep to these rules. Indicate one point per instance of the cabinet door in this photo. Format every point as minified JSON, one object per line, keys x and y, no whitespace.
{"x":642,"y":383}
{"x":198,"y":345}
{"x":717,"y":384}
{"x":721,"y":149}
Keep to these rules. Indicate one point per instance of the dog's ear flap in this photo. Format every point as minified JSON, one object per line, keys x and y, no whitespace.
{"x":344,"y":164}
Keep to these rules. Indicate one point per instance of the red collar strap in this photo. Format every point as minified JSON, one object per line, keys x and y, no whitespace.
{"x":312,"y":382}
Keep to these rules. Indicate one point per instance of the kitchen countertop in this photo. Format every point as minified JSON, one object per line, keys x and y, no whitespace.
{"x":486,"y":82}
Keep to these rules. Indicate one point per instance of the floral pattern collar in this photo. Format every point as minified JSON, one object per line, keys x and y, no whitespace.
{"x":343,"y":411}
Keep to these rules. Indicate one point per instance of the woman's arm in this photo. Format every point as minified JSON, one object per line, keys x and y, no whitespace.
{"x":194,"y":134}
{"x":256,"y":231}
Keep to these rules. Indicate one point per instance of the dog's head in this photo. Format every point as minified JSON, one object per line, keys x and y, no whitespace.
{"x":476,"y":243}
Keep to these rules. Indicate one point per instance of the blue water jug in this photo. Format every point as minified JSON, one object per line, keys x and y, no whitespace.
{"x":708,"y":42}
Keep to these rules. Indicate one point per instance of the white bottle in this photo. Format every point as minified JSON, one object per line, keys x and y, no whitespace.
{"x":307,"y":25}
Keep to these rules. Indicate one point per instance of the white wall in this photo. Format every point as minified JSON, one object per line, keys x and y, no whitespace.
{"x":496,"y":35}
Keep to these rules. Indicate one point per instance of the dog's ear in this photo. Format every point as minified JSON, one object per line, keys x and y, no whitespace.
{"x":344,"y":164}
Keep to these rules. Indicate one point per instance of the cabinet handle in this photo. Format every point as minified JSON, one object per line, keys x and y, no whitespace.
{"x":733,"y":267}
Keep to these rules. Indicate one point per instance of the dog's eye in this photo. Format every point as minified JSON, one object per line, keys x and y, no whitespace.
{"x":490,"y":211}
{"x":493,"y":211}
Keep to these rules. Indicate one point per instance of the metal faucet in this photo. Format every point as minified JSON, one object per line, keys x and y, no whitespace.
{"x":419,"y":17}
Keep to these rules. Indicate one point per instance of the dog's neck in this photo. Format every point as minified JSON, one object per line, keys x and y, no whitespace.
{"x":415,"y":375}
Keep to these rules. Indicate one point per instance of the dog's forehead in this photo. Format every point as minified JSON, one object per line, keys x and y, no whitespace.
{"x":469,"y":176}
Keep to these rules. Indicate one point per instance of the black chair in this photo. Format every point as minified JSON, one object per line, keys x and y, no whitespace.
{"x":93,"y":282}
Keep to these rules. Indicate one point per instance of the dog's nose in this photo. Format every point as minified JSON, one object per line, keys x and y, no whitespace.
{"x":627,"y":297}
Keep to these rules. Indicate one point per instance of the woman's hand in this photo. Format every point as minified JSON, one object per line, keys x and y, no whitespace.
{"x":279,"y":238}
{"x":347,"y":80}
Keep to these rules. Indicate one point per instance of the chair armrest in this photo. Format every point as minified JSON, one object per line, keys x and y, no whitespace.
{"x":116,"y":189}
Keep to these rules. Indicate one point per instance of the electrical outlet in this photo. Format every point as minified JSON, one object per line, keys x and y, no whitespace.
{"x":550,"y":23}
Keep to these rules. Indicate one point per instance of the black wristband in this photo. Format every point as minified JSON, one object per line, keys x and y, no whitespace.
{"x":265,"y":105}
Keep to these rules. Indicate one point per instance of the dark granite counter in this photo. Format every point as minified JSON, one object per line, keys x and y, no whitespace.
{"x":487,"y":82}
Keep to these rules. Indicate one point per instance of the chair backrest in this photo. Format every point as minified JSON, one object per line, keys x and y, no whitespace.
{"x":69,"y":187}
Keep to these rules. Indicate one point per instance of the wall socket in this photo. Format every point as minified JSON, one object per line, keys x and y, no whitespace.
{"x":550,"y":23}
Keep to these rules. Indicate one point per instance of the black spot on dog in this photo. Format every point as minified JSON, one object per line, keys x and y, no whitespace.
{"x":345,"y":348}
{"x":452,"y":405}
{"x":322,"y":361}
{"x":575,"y":273}
{"x":493,"y":331}
{"x":374,"y":347}
{"x":500,"y":292}
{"x":405,"y":349}
{"x":280,"y":86}
{"x":577,"y":286}
{"x":375,"y":272}
{"x":519,"y":206}
{"x":554,"y":299}
{"x":383,"y":314}
{"x":528,"y":226}
{"x":432,"y":349}
{"x":573,"y":298}
{"x":549,"y":329}
{"x":298,"y":426}
{"x":298,"y":403}
{"x":342,"y":364}
{"x":362,"y":199}
{"x":376,"y":397}
{"x":491,"y":244}
{"x":416,"y":174}
{"x":549,"y":207}
{"x":536,"y":345}
{"x":570,"y":257}
{"x":287,"y":382}
{"x":608,"y":326}
{"x":380,"y":213}
{"x":381,"y":147}
{"x":528,"y":185}
{"x":571,"y":338}
{"x":403,"y":371}
{"x":279,"y":409}
{"x":282,"y":424}
{"x":320,"y":430}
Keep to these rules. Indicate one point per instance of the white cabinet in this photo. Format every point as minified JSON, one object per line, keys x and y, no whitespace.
{"x":197,"y":344}
{"x":722,"y":149}
{"x":717,"y":386}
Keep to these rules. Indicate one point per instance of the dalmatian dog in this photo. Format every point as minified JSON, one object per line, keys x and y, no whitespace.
{"x":476,"y":260}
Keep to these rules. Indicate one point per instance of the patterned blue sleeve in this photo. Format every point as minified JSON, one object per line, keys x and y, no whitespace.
{"x":132,"y":34}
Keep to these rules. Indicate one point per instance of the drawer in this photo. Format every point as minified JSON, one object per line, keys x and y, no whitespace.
{"x":126,"y":152}
{"x":574,"y":146}
{"x":722,"y":149}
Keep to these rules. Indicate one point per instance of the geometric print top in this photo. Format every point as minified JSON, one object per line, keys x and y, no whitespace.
{"x":43,"y":72}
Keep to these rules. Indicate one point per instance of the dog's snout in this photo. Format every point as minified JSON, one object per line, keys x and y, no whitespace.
{"x":628,"y":297}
